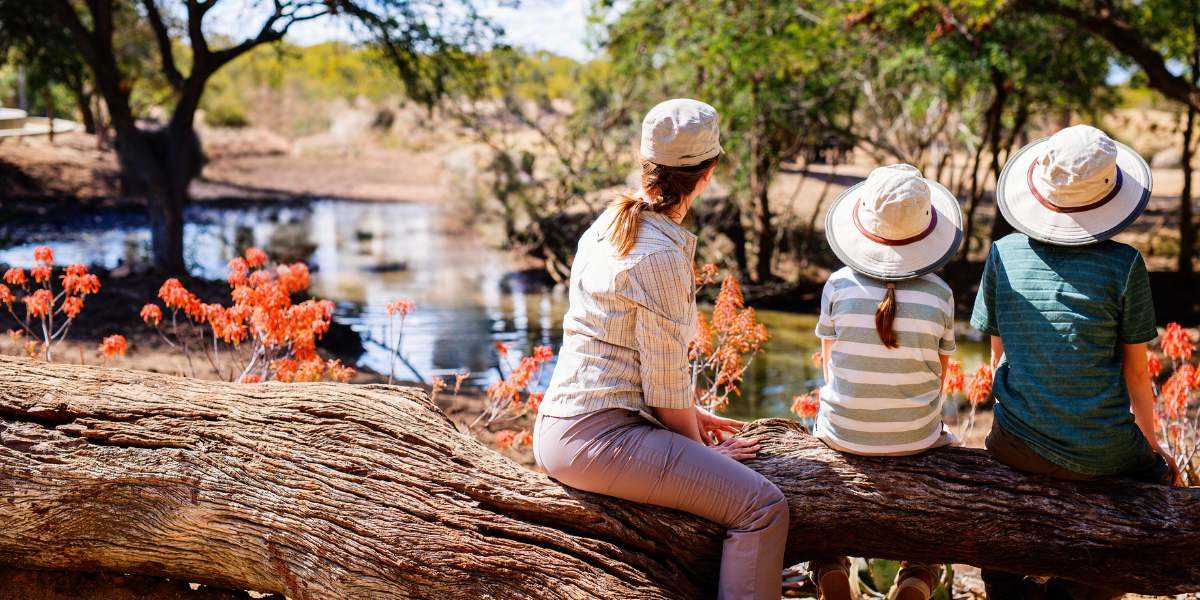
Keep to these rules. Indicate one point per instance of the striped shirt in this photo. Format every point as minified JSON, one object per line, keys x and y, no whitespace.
{"x":879,"y":400}
{"x":1064,"y":314}
{"x":628,"y":323}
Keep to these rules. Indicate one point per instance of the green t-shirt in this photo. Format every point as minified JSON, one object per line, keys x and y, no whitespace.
{"x":1064,"y":314}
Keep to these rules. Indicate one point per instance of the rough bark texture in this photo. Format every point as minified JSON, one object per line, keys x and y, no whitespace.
{"x":338,"y":491}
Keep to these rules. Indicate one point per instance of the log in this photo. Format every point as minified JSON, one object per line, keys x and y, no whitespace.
{"x":339,"y":491}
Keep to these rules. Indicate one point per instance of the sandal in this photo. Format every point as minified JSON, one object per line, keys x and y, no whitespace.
{"x":912,"y":586}
{"x":833,"y":580}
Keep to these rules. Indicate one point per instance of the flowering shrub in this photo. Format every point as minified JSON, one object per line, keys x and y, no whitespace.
{"x":513,"y":396}
{"x":1176,"y":409}
{"x":978,"y":391}
{"x":261,"y":335}
{"x":401,"y":308}
{"x":725,"y":346}
{"x":48,"y":314}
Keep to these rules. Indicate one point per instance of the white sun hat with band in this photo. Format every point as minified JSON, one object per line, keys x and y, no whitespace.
{"x":680,"y":133}
{"x":895,"y":225}
{"x":1076,"y":187}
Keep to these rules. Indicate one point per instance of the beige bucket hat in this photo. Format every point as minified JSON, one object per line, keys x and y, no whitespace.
{"x":680,"y":133}
{"x":1076,"y":187}
{"x":895,"y":225}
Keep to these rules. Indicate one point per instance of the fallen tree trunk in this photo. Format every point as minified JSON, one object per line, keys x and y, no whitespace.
{"x":339,"y":491}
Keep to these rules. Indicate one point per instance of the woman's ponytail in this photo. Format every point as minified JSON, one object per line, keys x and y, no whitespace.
{"x":665,"y":189}
{"x":885,"y":317}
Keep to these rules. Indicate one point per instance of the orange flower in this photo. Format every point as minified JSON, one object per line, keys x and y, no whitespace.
{"x":954,"y":379}
{"x":40,"y":273}
{"x":506,"y":438}
{"x":152,"y":314}
{"x":1176,"y":343}
{"x":1176,"y":392}
{"x":400,"y":307}
{"x":6,"y":295}
{"x":15,"y":334}
{"x":980,"y":388}
{"x":459,"y":378}
{"x":705,"y":275}
{"x":251,"y":378}
{"x":44,"y":255}
{"x":543,"y":354}
{"x":33,"y":348}
{"x":1153,"y":364}
{"x":807,"y":405}
{"x":294,"y":278}
{"x":255,"y":257}
{"x":535,"y":401}
{"x":15,"y":276}
{"x":80,"y":283}
{"x":38,"y":303}
{"x":72,"y":306}
{"x":113,"y":345}
{"x":438,"y":386}
{"x":502,"y":348}
{"x":339,"y":372}
{"x":525,"y":438}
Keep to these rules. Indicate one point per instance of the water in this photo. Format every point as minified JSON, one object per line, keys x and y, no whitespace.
{"x":364,"y":255}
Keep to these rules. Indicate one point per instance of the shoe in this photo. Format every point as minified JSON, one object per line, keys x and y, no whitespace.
{"x":911,"y":587}
{"x":833,"y":582}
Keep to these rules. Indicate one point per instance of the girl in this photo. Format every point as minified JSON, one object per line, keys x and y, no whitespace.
{"x":619,"y":416}
{"x":887,"y":333}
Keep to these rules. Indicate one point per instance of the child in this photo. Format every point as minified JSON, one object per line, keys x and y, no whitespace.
{"x":887,"y":333}
{"x":1059,"y":298}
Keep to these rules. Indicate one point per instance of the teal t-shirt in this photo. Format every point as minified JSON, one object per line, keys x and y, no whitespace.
{"x":1064,"y":314}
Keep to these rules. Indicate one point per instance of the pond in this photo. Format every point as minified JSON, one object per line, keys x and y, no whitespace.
{"x":364,"y":255}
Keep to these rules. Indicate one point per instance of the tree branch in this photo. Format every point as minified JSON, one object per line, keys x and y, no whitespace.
{"x":1123,"y":36}
{"x":169,"y":68}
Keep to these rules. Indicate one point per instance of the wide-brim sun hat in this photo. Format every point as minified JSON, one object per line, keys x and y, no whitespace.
{"x":895,"y":225}
{"x":1074,"y":188}
{"x":680,"y":132}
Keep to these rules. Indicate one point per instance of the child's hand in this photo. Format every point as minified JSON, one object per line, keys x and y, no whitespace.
{"x":739,"y":449}
{"x":1176,"y":476}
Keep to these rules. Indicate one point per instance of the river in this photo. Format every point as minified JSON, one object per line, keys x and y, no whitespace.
{"x":364,"y":255}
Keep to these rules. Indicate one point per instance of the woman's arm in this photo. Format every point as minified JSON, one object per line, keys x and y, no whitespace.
{"x":1141,"y":400}
{"x":680,"y":420}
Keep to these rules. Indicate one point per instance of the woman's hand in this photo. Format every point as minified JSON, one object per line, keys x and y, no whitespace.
{"x":713,"y":428}
{"x":738,"y":449}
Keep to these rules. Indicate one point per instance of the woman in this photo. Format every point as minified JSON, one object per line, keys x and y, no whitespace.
{"x":619,"y":417}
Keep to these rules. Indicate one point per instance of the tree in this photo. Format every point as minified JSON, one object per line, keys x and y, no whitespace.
{"x":336,"y":491}
{"x":44,"y":48}
{"x":764,"y":65}
{"x":424,"y":39}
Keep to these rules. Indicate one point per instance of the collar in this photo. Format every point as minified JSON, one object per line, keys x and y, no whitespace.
{"x":678,"y":234}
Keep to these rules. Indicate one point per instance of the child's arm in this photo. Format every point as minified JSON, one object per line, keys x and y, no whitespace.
{"x":945,"y":358}
{"x":1141,"y":396}
{"x":826,"y":351}
{"x":997,"y":351}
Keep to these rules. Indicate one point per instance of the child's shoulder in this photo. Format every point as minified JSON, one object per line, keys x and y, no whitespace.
{"x":933,"y":285}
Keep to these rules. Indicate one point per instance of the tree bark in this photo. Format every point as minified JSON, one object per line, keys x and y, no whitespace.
{"x":338,"y":491}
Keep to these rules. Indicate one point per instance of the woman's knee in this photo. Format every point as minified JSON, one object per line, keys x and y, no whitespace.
{"x":766,"y":507}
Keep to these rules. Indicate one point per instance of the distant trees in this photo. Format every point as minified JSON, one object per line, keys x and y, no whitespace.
{"x":423,"y":39}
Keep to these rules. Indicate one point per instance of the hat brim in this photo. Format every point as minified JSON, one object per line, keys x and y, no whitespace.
{"x":1028,"y":215}
{"x":894,"y":262}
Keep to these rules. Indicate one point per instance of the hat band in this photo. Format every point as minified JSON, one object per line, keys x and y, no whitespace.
{"x":885,"y":241}
{"x":1072,"y":209}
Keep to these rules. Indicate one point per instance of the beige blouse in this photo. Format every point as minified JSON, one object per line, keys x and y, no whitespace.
{"x":626,"y":331}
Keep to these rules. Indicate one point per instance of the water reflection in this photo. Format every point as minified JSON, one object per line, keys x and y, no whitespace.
{"x":364,"y":255}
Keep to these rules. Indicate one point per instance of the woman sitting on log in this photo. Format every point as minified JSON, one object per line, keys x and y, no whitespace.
{"x":619,"y":417}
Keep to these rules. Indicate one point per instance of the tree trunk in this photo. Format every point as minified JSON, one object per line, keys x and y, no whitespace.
{"x":1187,"y":226}
{"x":338,"y":491}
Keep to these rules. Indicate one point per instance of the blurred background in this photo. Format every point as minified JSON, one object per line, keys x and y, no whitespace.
{"x":450,"y":152}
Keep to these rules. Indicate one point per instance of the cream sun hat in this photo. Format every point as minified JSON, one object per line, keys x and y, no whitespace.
{"x":680,"y":133}
{"x":1073,"y":188}
{"x":895,"y":225}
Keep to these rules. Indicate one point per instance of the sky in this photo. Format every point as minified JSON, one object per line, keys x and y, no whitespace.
{"x":559,"y":26}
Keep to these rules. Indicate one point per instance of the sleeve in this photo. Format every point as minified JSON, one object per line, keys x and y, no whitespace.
{"x":947,"y":345}
{"x":661,"y":287}
{"x":983,"y":318}
{"x":825,"y":328}
{"x":1137,"y":306}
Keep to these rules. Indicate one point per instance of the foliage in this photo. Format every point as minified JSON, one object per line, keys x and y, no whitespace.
{"x":725,"y":346}
{"x":513,"y":396}
{"x":262,"y":334}
{"x":48,"y":314}
{"x":1177,"y":403}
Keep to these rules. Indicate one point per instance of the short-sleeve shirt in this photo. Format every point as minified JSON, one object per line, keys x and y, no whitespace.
{"x":880,"y":400}
{"x":629,"y":320}
{"x":1064,"y":314}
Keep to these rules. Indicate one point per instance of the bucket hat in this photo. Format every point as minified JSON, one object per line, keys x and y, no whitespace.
{"x":1076,"y":187}
{"x":895,"y":225}
{"x":680,"y":133}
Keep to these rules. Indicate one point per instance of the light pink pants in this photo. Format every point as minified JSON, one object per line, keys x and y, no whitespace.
{"x":616,"y":452}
